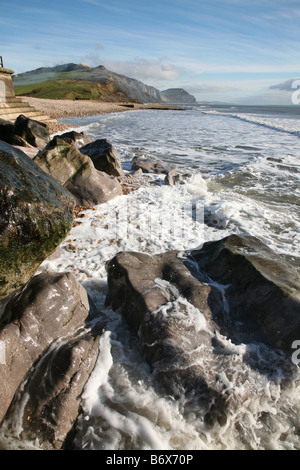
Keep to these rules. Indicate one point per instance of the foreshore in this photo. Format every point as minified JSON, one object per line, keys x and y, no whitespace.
{"x":60,"y":109}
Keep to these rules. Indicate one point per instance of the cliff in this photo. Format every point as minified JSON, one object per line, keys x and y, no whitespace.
{"x":178,"y":96}
{"x":77,"y":81}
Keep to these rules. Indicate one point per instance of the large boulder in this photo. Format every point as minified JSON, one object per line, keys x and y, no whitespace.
{"x":49,"y":356}
{"x":36,"y":214}
{"x":262,"y":290}
{"x":104,"y":156}
{"x":34,"y":132}
{"x":52,"y":393}
{"x":77,"y":173}
{"x":193,"y":312}
{"x":7,"y":134}
{"x":133,"y":289}
{"x":170,"y":311}
{"x":7,"y":131}
{"x":48,"y":307}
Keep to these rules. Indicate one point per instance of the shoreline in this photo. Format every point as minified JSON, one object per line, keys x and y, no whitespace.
{"x":61,"y":109}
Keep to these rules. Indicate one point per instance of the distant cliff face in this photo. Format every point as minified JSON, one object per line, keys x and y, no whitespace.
{"x":130,"y":87}
{"x":178,"y":96}
{"x":112,"y":86}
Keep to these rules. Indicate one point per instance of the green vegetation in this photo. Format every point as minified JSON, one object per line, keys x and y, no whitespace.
{"x":64,"y":89}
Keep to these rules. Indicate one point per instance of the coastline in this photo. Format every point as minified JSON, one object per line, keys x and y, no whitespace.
{"x":60,"y":109}
{"x":153,"y":235}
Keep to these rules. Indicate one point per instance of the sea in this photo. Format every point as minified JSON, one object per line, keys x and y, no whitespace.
{"x":240,"y":168}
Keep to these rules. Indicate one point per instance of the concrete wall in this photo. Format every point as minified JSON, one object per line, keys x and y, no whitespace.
{"x":6,"y":85}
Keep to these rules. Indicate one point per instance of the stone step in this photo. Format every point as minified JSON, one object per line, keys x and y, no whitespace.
{"x":13,"y":101}
{"x":13,"y":107}
{"x":14,"y":104}
{"x":36,"y":115}
{"x":26,"y":111}
{"x":18,"y":110}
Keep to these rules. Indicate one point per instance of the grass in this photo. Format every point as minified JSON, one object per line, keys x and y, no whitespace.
{"x":67,"y":90}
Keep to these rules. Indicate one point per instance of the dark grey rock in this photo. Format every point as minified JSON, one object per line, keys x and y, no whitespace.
{"x":104,"y":156}
{"x":7,"y":131}
{"x":263,"y":290}
{"x":149,"y":166}
{"x":78,"y":139}
{"x":8,"y":135}
{"x":34,"y":132}
{"x":183,"y":308}
{"x":151,"y":293}
{"x":173,"y":178}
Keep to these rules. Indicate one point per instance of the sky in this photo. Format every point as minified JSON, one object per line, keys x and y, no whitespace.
{"x":233,"y":51}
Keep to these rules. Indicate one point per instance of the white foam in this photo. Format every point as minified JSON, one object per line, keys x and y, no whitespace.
{"x":121,"y":407}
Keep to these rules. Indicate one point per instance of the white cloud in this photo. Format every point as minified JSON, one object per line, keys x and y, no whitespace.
{"x":209,"y":88}
{"x":198,"y":67}
{"x":139,"y":68}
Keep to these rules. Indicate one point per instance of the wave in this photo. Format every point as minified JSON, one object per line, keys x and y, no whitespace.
{"x":291,"y":126}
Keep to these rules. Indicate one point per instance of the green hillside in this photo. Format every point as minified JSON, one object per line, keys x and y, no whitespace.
{"x":69,"y":90}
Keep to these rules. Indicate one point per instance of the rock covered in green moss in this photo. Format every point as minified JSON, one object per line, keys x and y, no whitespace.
{"x":36,"y":214}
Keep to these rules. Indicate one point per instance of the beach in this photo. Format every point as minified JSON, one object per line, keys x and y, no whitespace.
{"x":208,"y":364}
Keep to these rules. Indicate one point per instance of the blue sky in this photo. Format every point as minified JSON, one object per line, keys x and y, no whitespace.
{"x":232,"y":50}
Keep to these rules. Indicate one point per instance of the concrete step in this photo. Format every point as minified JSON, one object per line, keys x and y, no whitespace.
{"x":19,"y":110}
{"x":14,"y":100}
{"x":27,"y":112}
{"x":36,"y":115}
{"x":13,"y":107}
{"x":14,"y":104}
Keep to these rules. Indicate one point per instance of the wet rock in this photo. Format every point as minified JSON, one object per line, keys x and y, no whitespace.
{"x":34,"y":132}
{"x":52,"y":392}
{"x":169,"y":310}
{"x":149,"y":166}
{"x":173,"y":178}
{"x":76,"y":172}
{"x":262,"y":290}
{"x":36,"y":214}
{"x":132,"y":287}
{"x":78,"y":139}
{"x":49,"y":307}
{"x":104,"y":156}
{"x":193,"y":312}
